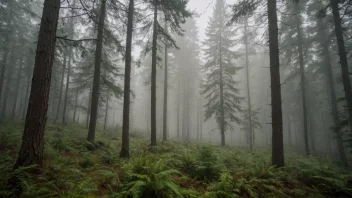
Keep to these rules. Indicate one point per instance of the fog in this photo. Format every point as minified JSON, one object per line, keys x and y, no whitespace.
{"x":238,"y":74}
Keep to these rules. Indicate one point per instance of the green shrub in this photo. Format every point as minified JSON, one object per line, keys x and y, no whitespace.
{"x":147,"y":178}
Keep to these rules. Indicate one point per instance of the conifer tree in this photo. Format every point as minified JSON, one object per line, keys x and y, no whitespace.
{"x":223,"y":100}
{"x":32,"y":147}
{"x":175,"y":12}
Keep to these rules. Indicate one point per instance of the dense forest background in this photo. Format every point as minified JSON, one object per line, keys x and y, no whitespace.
{"x":262,"y":74}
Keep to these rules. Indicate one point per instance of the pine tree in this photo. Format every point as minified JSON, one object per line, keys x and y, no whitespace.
{"x":126,"y":99}
{"x":276,"y":108}
{"x":293,"y":49}
{"x":222,"y":96}
{"x":32,"y":147}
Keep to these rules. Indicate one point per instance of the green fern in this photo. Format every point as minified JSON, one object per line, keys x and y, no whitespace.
{"x":147,"y":179}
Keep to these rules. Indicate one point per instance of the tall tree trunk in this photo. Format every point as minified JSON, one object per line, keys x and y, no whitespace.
{"x":89,"y":105}
{"x":249,"y":107}
{"x":165,"y":132}
{"x":153,"y":83}
{"x":8,"y":85}
{"x":222,"y":111}
{"x":18,"y":82}
{"x":178,"y":104}
{"x":106,"y":108}
{"x":201,"y":120}
{"x":70,"y":36}
{"x":31,"y":151}
{"x":113,"y":119}
{"x":289,"y":130}
{"x":184,"y":112}
{"x":303,"y":81}
{"x":125,"y":150}
{"x":345,"y":73}
{"x":64,"y":116}
{"x":276,"y":108}
{"x":198,"y":119}
{"x":331,"y":90}
{"x":75,"y":108}
{"x":96,"y":78}
{"x":7,"y":46}
{"x":61,"y":88}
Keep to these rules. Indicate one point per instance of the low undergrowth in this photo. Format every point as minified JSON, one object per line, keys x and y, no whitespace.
{"x":76,"y":168}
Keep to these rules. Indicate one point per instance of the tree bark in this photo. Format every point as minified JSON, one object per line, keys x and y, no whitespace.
{"x":344,"y":71}
{"x":125,"y":153}
{"x":96,"y":78}
{"x":276,"y":108}
{"x":153,"y":83}
{"x":165,"y":132}
{"x":331,"y":90}
{"x":31,"y":151}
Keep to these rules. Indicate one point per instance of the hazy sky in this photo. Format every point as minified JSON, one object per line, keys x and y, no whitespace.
{"x":205,"y":9}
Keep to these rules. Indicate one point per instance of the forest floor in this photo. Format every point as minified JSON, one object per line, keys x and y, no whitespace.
{"x":74,"y":167}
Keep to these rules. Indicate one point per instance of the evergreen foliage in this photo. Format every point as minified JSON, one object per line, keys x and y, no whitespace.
{"x":223,"y":100}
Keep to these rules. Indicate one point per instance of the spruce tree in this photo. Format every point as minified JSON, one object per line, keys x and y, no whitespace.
{"x":223,"y":100}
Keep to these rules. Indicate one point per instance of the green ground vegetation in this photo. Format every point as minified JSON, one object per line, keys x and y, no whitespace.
{"x":74,"y":167}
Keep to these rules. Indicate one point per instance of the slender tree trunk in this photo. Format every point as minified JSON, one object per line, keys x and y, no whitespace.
{"x":184,"y":112}
{"x":165,"y":132}
{"x":125,"y":148}
{"x":8,"y":86}
{"x":61,"y":88}
{"x":201,"y":119}
{"x":153,"y":83}
{"x":331,"y":91}
{"x":18,"y":82}
{"x":178,"y":104}
{"x":7,"y":46}
{"x":345,"y":74}
{"x":70,"y":35}
{"x":106,"y":108}
{"x":289,"y":130}
{"x":249,"y":107}
{"x":96,"y":78}
{"x":222,"y":111}
{"x":113,"y":119}
{"x":276,"y":108}
{"x":67,"y":88}
{"x":75,"y":108}
{"x":303,"y":82}
{"x":88,"y":108}
{"x":32,"y":147}
{"x":198,"y":119}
